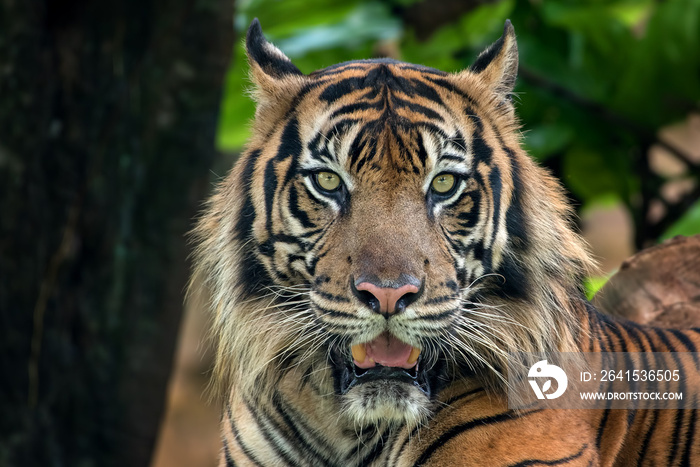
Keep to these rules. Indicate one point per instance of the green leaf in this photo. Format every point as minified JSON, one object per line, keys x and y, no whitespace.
{"x":547,"y":139}
{"x":593,"y":284}
{"x":368,"y":22}
{"x":236,"y":107}
{"x":591,"y":173}
{"x":455,"y":46}
{"x":687,"y":225}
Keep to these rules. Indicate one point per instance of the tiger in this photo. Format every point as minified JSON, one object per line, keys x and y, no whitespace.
{"x":374,"y":253}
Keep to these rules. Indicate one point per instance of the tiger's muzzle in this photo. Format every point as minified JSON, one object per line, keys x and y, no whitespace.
{"x":385,"y":358}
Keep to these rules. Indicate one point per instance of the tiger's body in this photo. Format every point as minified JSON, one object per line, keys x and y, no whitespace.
{"x":375,"y":253}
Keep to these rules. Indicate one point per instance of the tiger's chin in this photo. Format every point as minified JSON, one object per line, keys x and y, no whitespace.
{"x":386,"y":402}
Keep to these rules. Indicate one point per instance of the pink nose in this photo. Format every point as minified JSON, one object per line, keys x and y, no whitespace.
{"x":388,"y":297}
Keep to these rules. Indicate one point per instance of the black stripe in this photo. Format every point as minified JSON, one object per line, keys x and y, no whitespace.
{"x":363,"y":64}
{"x":331,"y":297}
{"x":559,"y":461}
{"x":449,"y":86}
{"x":459,"y":232}
{"x":612,"y":327}
{"x":440,"y":316}
{"x":687,"y":343}
{"x":421,"y":68}
{"x":418,"y":108}
{"x":684,"y":340}
{"x":421,"y":154}
{"x":435,"y":130}
{"x":457,"y":246}
{"x":441,"y":299}
{"x":516,"y":221}
{"x":307,"y":235}
{"x":318,"y":150}
{"x":690,"y":436}
{"x":631,"y":416}
{"x":382,"y":76}
{"x":416,"y":87}
{"x":376,"y":450}
{"x":227,"y":455}
{"x":300,"y":441}
{"x":678,"y":418}
{"x":269,"y":188}
{"x":334,"y":313}
{"x":644,"y":346}
{"x":339,"y":68}
{"x":496,"y":185}
{"x":269,"y":435}
{"x":601,"y":335}
{"x":397,"y":452}
{"x":358,"y":156}
{"x":346,"y":86}
{"x":267,"y":248}
{"x":350,"y":108}
{"x":449,"y":157}
{"x":647,"y":437}
{"x":517,"y":282}
{"x":290,"y":146}
{"x":481,"y":151}
{"x":601,"y":427}
{"x":443,"y":406}
{"x":246,"y":450}
{"x":463,"y":428}
{"x":458,"y":398}
{"x":638,"y":338}
{"x":676,"y":436}
{"x":296,"y":211}
{"x":253,"y":274}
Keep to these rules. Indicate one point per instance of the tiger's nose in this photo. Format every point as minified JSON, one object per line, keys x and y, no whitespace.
{"x":386,"y":300}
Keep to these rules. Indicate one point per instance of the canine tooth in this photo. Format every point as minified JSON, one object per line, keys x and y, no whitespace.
{"x":359,"y":353}
{"x":413,"y":358}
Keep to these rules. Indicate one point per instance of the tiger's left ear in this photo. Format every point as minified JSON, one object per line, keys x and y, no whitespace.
{"x":497,"y":66}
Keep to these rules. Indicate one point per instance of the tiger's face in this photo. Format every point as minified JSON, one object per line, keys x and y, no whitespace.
{"x":380,"y":213}
{"x":385,"y":195}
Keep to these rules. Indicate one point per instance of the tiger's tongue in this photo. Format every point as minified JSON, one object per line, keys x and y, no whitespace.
{"x":387,"y":350}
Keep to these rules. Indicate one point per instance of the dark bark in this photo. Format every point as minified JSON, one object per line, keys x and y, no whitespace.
{"x":108,"y":112}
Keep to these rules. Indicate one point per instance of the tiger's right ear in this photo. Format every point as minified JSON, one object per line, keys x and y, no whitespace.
{"x":272,"y":72}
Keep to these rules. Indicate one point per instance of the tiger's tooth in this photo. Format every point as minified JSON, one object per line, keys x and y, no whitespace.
{"x":413,"y":357}
{"x":359,"y":353}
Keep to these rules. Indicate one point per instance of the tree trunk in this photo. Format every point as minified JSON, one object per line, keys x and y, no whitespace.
{"x":108,"y":113}
{"x":659,"y":286}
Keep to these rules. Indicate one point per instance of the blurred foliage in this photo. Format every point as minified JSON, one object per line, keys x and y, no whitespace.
{"x":598,"y":79}
{"x":593,"y":284}
{"x":687,"y":225}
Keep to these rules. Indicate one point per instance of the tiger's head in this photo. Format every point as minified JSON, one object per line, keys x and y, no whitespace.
{"x":384,"y":235}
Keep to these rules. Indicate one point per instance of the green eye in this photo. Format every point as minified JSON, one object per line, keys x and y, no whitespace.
{"x":327,"y":181}
{"x":443,"y":183}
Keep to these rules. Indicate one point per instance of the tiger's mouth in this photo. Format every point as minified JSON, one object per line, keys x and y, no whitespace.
{"x":385,"y":359}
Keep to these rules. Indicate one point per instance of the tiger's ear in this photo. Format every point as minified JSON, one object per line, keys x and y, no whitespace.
{"x":272,"y":72}
{"x":497,"y":66}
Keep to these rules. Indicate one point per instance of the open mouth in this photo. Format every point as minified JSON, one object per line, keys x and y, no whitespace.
{"x":387,"y":359}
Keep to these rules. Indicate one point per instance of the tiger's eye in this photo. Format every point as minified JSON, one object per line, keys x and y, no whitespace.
{"x":328,"y":181}
{"x":443,"y":183}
